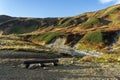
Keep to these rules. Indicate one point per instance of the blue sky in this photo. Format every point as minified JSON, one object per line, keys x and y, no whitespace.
{"x":52,"y":8}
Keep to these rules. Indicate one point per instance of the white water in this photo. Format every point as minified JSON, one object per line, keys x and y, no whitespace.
{"x":60,"y":47}
{"x":79,"y":53}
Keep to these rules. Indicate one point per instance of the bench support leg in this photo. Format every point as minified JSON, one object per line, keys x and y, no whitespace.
{"x":55,"y":64}
{"x":42,"y":65}
{"x":27,"y":65}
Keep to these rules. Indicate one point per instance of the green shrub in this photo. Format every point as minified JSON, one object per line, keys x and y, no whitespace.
{"x":68,"y":22}
{"x":94,"y":37}
{"x":63,"y":20}
{"x":47,"y":37}
{"x":90,"y":21}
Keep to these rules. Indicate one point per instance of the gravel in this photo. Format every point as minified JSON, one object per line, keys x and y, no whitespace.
{"x":13,"y":69}
{"x":65,"y":71}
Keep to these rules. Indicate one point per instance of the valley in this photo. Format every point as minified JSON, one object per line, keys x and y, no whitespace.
{"x":87,"y":46}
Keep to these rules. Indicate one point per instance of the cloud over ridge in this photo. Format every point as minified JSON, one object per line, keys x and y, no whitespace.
{"x":108,"y":1}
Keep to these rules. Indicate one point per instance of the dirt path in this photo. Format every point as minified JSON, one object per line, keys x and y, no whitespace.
{"x":81,"y":71}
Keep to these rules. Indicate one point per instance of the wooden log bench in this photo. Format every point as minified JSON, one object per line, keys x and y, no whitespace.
{"x":41,"y":61}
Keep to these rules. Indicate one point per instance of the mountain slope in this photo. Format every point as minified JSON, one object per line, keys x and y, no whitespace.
{"x":99,"y":29}
{"x":84,"y":21}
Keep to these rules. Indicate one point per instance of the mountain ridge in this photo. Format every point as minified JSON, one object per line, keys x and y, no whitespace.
{"x":81,"y":31}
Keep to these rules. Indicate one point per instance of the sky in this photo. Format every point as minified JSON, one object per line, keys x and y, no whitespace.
{"x":52,"y":8}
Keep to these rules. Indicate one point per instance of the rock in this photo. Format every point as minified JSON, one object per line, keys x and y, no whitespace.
{"x":13,"y":66}
{"x":45,"y":68}
{"x":22,"y":65}
{"x":60,"y":47}
{"x":34,"y":66}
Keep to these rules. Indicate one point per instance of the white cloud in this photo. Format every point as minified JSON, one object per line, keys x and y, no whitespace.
{"x":117,"y":2}
{"x":105,"y":1}
{"x":108,"y":1}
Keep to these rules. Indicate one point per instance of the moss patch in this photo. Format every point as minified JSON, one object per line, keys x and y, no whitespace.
{"x":90,"y":21}
{"x":68,"y":22}
{"x":93,"y":37}
{"x":47,"y":37}
{"x":91,"y":41}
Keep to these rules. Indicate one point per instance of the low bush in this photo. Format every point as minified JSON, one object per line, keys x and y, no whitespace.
{"x":47,"y":37}
{"x":91,"y":21}
{"x":93,"y":37}
{"x":68,"y":22}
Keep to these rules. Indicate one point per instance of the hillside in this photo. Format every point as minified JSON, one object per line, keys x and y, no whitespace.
{"x":98,"y":30}
{"x":84,"y":21}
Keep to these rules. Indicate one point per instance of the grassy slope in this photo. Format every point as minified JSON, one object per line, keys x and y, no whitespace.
{"x":80,"y":24}
{"x":84,"y":21}
{"x":89,"y":33}
{"x":46,"y":30}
